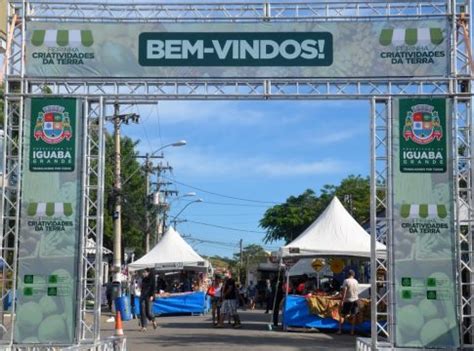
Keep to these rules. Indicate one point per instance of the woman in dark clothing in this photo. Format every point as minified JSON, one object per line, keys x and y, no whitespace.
{"x":147,"y":296}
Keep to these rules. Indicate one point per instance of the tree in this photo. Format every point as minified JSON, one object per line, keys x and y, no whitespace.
{"x":251,"y":255}
{"x":288,"y":220}
{"x":222,"y":264}
{"x":133,"y":196}
{"x":358,"y":188}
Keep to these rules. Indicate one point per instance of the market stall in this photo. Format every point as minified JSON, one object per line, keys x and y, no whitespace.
{"x":173,"y":258}
{"x":340,"y":243}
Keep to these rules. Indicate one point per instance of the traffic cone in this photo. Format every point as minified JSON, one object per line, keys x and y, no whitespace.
{"x":118,"y":325}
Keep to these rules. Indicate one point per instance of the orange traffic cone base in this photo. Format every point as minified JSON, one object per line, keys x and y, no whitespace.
{"x":118,"y":325}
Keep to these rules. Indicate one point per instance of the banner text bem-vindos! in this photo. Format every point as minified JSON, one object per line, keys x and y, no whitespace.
{"x":236,"y":49}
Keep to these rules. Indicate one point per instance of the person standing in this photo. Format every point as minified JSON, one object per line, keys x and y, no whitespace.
{"x":108,"y":294}
{"x":229,"y":305}
{"x":252,"y":295}
{"x":161,"y":284}
{"x":147,"y":295}
{"x":135,"y":296}
{"x":349,"y":298}
{"x":214,"y":292}
{"x":268,"y":296}
{"x":279,"y":294}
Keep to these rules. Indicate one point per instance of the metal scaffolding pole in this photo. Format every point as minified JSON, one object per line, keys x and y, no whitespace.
{"x":117,"y":215}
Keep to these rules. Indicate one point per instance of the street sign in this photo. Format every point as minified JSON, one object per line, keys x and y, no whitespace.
{"x":318,"y":264}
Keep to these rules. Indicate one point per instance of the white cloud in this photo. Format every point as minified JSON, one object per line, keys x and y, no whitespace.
{"x":300,"y":168}
{"x":207,"y":164}
{"x":234,"y":112}
{"x":336,"y":137}
{"x":204,"y":112}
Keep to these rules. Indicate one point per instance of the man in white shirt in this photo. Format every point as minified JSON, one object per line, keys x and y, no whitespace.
{"x":350,"y":295}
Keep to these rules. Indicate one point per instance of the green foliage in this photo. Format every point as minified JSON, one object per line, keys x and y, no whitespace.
{"x":223,"y":263}
{"x":133,"y":196}
{"x":252,"y":254}
{"x":288,"y":220}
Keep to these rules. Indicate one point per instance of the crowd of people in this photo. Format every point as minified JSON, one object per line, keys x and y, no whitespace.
{"x":227,"y":295}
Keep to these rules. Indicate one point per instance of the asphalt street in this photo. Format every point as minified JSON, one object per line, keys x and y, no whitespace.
{"x":195,"y":333}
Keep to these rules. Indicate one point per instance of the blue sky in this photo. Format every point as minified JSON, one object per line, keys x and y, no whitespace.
{"x":259,"y":150}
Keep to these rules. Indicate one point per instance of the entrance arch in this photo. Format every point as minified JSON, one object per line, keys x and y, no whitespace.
{"x":101,"y":86}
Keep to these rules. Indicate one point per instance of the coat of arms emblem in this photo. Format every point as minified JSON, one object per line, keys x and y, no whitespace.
{"x":53,"y":125}
{"x":422,"y":125}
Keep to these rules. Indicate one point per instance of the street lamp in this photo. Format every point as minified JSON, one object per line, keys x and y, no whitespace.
{"x":117,"y":215}
{"x":175,"y":144}
{"x":190,"y":194}
{"x":174,"y":220}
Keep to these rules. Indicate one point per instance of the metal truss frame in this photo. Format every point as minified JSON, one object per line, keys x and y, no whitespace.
{"x":98,"y":92}
{"x":381,"y":221}
{"x":148,"y":11}
{"x":464,"y":210}
{"x":90,"y":265}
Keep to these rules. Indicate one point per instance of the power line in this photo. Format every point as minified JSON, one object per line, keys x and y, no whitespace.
{"x":227,"y":244}
{"x":232,"y":204}
{"x":222,"y":195}
{"x":227,"y":228}
{"x":221,"y":244}
{"x":223,"y":215}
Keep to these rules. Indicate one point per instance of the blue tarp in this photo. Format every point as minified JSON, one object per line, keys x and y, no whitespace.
{"x":191,"y":303}
{"x":296,"y":314}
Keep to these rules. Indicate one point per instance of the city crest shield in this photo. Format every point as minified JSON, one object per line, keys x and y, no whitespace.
{"x":422,"y":125}
{"x":53,"y":125}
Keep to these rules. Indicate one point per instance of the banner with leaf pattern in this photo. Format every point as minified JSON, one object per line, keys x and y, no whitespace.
{"x":50,"y":223}
{"x":424,"y":230}
{"x":345,"y":49}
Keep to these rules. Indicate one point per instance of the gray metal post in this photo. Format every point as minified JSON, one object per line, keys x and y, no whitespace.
{"x":117,"y":216}
{"x":148,"y":170}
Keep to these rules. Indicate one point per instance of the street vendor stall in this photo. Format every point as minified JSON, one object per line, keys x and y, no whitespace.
{"x":336,"y":237}
{"x":173,"y":256}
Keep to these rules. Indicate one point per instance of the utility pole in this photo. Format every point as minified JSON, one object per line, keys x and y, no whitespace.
{"x":163,"y":206}
{"x":149,"y":169}
{"x":118,"y":119}
{"x":241,"y":258}
{"x":117,"y":215}
{"x":349,"y":202}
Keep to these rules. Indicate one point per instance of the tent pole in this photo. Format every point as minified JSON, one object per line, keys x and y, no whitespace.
{"x":287,"y":271}
{"x":275,"y":294}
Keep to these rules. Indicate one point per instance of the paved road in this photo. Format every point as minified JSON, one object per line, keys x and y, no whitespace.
{"x":195,"y":333}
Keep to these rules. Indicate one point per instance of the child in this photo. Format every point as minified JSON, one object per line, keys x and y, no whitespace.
{"x":214,"y":292}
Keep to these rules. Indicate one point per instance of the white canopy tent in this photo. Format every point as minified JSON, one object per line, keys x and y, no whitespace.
{"x":333,"y":233}
{"x":171,"y":253}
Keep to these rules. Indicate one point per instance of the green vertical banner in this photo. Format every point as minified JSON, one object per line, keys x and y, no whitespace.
{"x":424,"y":231}
{"x":50,"y":223}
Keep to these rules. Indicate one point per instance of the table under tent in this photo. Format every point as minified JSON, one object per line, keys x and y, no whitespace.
{"x":338,"y":243}
{"x":185,"y":271}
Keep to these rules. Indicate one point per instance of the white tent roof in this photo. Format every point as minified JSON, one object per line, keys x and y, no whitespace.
{"x":334,"y":233}
{"x":171,"y":253}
